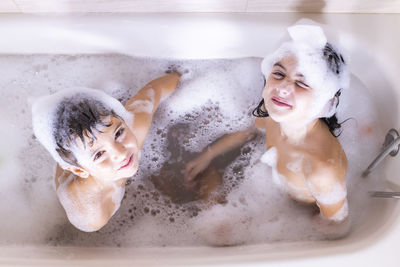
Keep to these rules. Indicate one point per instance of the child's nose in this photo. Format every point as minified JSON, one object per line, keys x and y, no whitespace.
{"x":118,"y":152}
{"x":285,"y":89}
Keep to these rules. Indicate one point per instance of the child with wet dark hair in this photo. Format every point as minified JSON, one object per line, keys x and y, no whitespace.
{"x":304,"y":78}
{"x":96,"y":142}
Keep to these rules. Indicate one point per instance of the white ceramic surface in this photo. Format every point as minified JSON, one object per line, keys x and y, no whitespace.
{"x":318,"y":6}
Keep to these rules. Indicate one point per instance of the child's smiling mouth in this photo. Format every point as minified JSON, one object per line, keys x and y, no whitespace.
{"x":127,"y":163}
{"x":280,"y":102}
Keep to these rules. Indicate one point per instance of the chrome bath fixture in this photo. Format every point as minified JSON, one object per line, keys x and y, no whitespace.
{"x":390,"y":147}
{"x":384,"y":194}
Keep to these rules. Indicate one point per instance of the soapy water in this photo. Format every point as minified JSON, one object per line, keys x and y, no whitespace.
{"x":214,"y":98}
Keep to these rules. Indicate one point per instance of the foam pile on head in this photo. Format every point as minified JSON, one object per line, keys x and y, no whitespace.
{"x":324,"y":68}
{"x":52,"y":112}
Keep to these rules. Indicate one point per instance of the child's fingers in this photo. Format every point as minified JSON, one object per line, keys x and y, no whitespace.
{"x":195,"y":171}
{"x":192,"y":173}
{"x":189,"y":181}
{"x":188,"y":169}
{"x":191,"y":185}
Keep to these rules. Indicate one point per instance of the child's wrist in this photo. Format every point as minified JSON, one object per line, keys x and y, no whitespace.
{"x":176,"y":74}
{"x":209,"y":153}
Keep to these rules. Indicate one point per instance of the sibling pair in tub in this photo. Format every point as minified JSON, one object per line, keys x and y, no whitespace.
{"x":97,"y":142}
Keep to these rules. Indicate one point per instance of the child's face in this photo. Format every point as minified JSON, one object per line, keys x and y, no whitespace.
{"x":113,"y":154}
{"x":287,"y":96}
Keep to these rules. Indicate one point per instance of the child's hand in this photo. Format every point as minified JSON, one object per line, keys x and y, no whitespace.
{"x":165,"y":84}
{"x":194,"y":167}
{"x":176,"y":68}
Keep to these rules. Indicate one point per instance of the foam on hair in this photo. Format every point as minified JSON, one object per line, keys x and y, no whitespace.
{"x":44,"y":111}
{"x":316,"y":62}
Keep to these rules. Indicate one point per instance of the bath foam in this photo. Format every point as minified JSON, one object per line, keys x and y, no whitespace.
{"x":270,"y":157}
{"x":145,"y":106}
{"x":341,"y":214}
{"x":262,"y":211}
{"x":12,"y":142}
{"x":337,"y":194}
{"x":296,"y":165}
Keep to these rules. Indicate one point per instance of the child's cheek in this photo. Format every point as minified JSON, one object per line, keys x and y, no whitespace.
{"x":131,"y":141}
{"x":102,"y":166}
{"x":265,"y":93}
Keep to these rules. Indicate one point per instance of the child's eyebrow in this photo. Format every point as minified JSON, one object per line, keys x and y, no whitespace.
{"x":279,"y":65}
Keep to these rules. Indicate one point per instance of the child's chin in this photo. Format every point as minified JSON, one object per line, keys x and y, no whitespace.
{"x":132,"y":173}
{"x":126,"y":174}
{"x":129,"y":173}
{"x":278,"y":117}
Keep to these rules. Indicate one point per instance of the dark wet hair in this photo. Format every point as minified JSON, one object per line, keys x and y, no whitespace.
{"x":77,"y":117}
{"x":334,"y":59}
{"x":335,"y":62}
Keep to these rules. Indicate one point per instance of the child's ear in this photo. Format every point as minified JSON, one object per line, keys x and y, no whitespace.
{"x":78,"y":171}
{"x":330,"y":108}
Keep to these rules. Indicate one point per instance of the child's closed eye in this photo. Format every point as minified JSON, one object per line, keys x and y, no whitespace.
{"x":119,"y":133}
{"x":302,"y":85}
{"x":278,"y":75}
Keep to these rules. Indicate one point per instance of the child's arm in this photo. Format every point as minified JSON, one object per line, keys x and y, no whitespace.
{"x":223,"y":145}
{"x":145,"y":103}
{"x":152,"y":93}
{"x":327,"y":186}
{"x":334,"y":212}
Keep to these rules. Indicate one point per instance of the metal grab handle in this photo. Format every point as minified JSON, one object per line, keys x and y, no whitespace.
{"x":385,"y":194}
{"x":390,"y":147}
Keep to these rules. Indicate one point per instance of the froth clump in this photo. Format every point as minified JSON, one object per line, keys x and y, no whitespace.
{"x":322,"y":65}
{"x":54,"y":116}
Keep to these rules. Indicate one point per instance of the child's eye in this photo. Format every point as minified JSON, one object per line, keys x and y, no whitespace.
{"x":278,"y":75}
{"x":119,"y":132}
{"x":98,"y":155}
{"x":302,"y":85}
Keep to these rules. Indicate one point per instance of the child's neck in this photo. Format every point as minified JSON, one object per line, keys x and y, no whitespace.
{"x":297,"y":132}
{"x":103,"y":182}
{"x":98,"y":181}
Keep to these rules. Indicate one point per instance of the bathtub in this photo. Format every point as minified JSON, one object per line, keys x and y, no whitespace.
{"x":373,"y":42}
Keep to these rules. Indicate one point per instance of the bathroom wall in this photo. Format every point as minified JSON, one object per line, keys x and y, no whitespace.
{"x":328,"y":6}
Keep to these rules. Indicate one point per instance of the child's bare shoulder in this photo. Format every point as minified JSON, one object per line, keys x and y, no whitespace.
{"x":73,"y":189}
{"x":81,"y":204}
